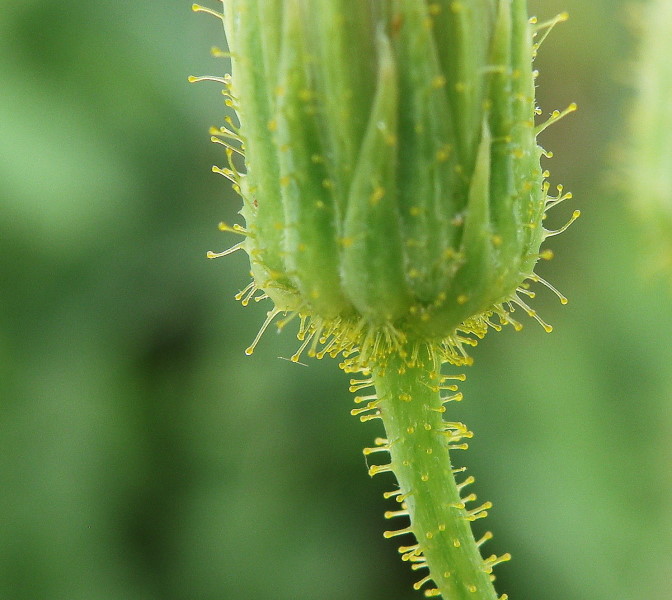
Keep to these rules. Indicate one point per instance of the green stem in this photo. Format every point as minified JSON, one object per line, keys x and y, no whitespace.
{"x":411,"y":403}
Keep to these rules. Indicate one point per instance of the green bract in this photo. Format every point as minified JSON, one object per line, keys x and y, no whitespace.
{"x":393,"y":187}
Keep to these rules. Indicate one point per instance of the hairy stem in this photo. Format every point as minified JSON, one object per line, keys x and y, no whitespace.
{"x":411,"y":401}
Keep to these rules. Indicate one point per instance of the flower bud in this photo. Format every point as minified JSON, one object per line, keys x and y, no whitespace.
{"x":392,"y":188}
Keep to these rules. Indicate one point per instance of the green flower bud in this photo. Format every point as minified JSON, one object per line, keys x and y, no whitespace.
{"x":393,"y":189}
{"x":394,"y":200}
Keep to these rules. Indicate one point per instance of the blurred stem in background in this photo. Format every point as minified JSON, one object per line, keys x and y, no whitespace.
{"x":395,"y":204}
{"x":649,"y":165}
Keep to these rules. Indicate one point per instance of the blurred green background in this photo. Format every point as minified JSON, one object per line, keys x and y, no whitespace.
{"x":144,"y":457}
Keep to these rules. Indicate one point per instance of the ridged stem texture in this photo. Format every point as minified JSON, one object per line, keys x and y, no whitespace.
{"x":412,"y":403}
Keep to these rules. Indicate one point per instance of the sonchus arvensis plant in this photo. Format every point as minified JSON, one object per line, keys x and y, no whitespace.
{"x":393,"y":202}
{"x":649,"y":160}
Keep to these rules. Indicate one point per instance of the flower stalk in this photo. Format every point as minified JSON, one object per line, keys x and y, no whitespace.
{"x":393,"y":201}
{"x":411,"y":402}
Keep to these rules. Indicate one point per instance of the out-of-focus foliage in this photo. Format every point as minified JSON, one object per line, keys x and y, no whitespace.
{"x":143,"y":456}
{"x":648,"y":164}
